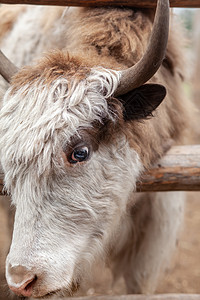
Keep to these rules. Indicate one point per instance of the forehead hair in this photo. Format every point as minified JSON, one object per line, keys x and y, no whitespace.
{"x":38,"y":114}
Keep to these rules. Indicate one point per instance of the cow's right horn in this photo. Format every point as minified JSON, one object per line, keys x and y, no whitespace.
{"x":7,"y":68}
{"x":147,"y":66}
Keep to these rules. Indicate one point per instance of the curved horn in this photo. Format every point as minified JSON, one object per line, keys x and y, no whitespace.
{"x":147,"y":66}
{"x":7,"y":68}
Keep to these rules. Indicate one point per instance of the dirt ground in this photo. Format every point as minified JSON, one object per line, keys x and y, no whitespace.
{"x":183,"y":276}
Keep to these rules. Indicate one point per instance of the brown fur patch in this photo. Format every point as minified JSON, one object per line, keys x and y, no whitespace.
{"x":122,"y":36}
{"x":56,"y":64}
{"x":8,"y":17}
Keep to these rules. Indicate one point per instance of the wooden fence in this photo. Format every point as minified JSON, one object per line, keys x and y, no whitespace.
{"x":178,"y":170}
{"x":135,"y":3}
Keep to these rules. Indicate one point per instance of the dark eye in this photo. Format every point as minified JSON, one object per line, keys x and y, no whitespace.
{"x":79,"y":154}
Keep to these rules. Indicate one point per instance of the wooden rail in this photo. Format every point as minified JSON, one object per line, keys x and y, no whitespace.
{"x":136,"y":3}
{"x":178,"y":170}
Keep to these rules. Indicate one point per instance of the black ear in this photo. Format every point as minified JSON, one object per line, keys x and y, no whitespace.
{"x":142,"y":101}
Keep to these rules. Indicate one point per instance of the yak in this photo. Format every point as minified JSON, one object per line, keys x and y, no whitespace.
{"x":94,"y":100}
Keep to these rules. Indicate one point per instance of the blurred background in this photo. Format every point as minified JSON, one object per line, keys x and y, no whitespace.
{"x":184,"y":274}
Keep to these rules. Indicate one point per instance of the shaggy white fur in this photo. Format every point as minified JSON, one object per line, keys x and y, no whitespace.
{"x":40,"y":117}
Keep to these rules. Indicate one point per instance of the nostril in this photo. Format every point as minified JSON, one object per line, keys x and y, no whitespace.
{"x":30,"y":284}
{"x":25,"y":289}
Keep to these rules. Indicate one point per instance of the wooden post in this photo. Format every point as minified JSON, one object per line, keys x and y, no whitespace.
{"x":178,"y":170}
{"x":135,"y":3}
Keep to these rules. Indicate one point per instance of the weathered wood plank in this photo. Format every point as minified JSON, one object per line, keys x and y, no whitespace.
{"x":179,"y":170}
{"x":136,"y":3}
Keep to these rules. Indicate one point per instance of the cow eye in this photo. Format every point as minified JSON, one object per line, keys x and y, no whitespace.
{"x":79,"y":154}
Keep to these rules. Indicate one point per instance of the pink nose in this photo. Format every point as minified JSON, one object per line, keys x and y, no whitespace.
{"x":22,"y":280}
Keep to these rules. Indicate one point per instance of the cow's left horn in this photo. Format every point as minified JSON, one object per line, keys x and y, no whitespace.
{"x":7,"y":68}
{"x":147,"y":66}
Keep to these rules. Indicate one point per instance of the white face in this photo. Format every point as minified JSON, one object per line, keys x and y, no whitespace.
{"x":69,"y":195}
